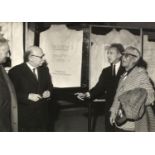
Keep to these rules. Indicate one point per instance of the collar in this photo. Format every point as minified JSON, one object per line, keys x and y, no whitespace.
{"x":128,"y":72}
{"x":117,"y":64}
{"x":30,"y":66}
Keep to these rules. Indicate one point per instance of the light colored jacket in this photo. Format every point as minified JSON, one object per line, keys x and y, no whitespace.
{"x":137,"y":78}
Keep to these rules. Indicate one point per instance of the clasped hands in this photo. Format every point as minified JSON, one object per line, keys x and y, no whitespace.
{"x":36,"y":97}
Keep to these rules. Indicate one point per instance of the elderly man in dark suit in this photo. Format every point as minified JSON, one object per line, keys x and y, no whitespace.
{"x":8,"y":102}
{"x":108,"y":81}
{"x":33,"y":86}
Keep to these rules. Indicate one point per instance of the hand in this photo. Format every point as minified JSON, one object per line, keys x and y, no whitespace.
{"x":46,"y":94}
{"x":112,"y":118}
{"x":80,"y":96}
{"x":34,"y":97}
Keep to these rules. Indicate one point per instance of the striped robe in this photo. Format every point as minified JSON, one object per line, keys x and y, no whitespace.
{"x":137,"y":78}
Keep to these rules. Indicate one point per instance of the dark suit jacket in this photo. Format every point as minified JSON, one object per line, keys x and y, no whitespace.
{"x":106,"y":85}
{"x":31,"y":114}
{"x":5,"y":105}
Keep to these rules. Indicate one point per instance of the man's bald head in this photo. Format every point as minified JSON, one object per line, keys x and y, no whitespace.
{"x":34,"y":55}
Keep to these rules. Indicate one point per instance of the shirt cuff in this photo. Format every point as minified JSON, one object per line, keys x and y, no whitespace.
{"x":87,"y":94}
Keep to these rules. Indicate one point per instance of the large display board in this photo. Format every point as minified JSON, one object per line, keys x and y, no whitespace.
{"x":63,"y":50}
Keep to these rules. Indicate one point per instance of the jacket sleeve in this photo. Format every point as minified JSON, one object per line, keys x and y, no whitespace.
{"x":100,"y":87}
{"x":22,"y":97}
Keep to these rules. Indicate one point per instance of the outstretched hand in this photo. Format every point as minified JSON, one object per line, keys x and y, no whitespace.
{"x":80,"y":96}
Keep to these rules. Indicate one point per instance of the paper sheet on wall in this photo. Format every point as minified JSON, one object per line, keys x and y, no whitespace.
{"x":98,"y":52}
{"x":63,"y":52}
{"x":13,"y":32}
{"x":149,"y":57}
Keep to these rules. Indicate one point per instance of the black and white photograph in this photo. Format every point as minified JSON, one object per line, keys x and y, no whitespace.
{"x":77,"y":77}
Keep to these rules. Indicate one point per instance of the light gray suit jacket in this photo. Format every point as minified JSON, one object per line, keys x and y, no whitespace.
{"x":137,"y":78}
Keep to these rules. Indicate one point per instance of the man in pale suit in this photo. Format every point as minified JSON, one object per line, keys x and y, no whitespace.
{"x":8,"y":103}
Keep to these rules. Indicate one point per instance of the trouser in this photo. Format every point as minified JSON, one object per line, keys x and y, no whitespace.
{"x":53,"y":111}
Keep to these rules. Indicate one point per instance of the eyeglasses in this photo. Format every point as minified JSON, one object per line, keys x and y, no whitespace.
{"x":126,"y":55}
{"x":39,"y":56}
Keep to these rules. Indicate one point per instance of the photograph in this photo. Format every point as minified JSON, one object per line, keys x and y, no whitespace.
{"x":77,"y":76}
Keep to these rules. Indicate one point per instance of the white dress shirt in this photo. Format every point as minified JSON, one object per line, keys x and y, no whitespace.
{"x":31,"y":68}
{"x":117,"y":66}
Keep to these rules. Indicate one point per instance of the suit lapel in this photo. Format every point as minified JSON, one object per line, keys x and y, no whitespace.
{"x":29,"y":74}
{"x":39,"y":75}
{"x":111,"y":71}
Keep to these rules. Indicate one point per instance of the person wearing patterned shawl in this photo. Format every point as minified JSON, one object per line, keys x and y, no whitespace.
{"x":135,"y":78}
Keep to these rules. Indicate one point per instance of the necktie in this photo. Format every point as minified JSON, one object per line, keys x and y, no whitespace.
{"x":113,"y":71}
{"x":34,"y":72}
